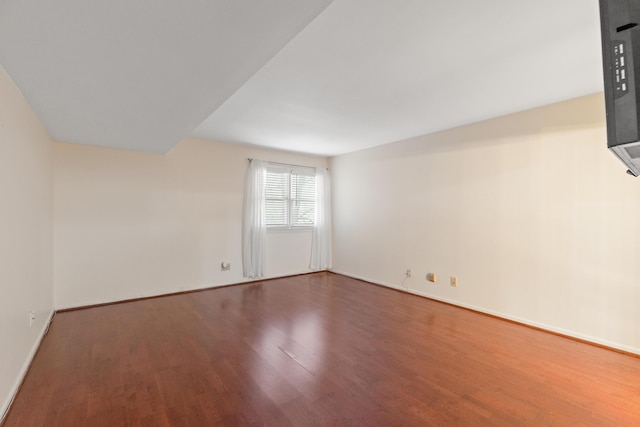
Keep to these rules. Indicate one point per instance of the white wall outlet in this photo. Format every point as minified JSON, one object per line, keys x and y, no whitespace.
{"x":32,"y":318}
{"x":454,"y":281}
{"x":432,"y":277}
{"x":225,"y":266}
{"x":408,"y":273}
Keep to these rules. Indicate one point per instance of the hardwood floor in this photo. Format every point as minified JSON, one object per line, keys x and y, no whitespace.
{"x":316,"y":350}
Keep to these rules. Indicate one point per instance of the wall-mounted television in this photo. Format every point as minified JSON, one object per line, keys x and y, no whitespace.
{"x":620,"y":23}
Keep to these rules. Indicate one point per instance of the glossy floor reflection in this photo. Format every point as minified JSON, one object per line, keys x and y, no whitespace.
{"x":319,"y":349}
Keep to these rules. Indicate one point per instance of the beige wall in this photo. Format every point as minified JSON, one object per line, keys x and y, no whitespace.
{"x":535,"y":217}
{"x":26,"y":211}
{"x":132,"y":224}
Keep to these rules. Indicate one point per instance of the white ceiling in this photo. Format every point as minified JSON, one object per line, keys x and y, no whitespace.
{"x":139,"y":74}
{"x":144,"y":74}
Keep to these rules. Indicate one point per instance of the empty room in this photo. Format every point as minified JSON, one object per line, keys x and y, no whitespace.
{"x":319,"y":213}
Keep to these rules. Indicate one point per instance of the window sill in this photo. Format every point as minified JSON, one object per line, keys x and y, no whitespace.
{"x":289,"y":229}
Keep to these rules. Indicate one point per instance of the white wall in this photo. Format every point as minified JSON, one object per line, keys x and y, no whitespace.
{"x":535,"y":217}
{"x":26,"y":212}
{"x":132,"y":224}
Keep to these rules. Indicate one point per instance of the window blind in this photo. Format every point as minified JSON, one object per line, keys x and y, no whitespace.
{"x":290,"y":196}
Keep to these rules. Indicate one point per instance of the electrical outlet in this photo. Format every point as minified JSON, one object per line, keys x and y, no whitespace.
{"x":408,"y":273}
{"x":32,"y":318}
{"x":432,"y":277}
{"x":454,"y":281}
{"x":225,"y":266}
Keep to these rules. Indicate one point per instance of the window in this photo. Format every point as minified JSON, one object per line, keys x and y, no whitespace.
{"x":290,"y":196}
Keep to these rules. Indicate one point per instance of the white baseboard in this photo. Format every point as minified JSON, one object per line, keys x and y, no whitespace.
{"x":6,"y":405}
{"x":571,"y":334}
{"x":166,"y":292}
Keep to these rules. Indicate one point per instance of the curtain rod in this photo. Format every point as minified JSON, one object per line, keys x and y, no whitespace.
{"x":288,"y":164}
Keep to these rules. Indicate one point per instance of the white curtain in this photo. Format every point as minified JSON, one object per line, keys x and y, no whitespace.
{"x":254,"y":228}
{"x":321,"y":245}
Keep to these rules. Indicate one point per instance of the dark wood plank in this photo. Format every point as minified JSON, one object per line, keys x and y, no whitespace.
{"x":311,"y":350}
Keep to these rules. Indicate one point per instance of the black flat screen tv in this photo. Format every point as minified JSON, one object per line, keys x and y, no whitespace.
{"x":620,"y":24}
